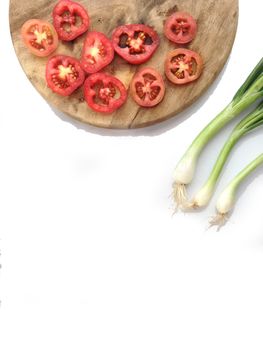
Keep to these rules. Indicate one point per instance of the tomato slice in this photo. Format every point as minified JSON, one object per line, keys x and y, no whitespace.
{"x":40,"y":37}
{"x":180,"y":28}
{"x":136,"y":43}
{"x":147,"y":87}
{"x":97,"y":52}
{"x":64,"y":74}
{"x":70,"y":19}
{"x":183,"y":66}
{"x":104,"y":93}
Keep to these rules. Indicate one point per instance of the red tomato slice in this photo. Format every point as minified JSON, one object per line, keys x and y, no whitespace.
{"x":64,"y":74}
{"x":147,"y":87}
{"x":40,"y":37}
{"x":136,"y":43}
{"x":180,"y":28}
{"x":97,"y":52}
{"x":183,"y":66}
{"x":104,"y":93}
{"x":70,"y":19}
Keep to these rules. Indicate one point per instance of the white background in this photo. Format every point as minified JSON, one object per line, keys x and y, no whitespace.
{"x":91,"y":255}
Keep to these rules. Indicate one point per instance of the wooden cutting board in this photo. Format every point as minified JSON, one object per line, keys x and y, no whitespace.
{"x":217,"y":24}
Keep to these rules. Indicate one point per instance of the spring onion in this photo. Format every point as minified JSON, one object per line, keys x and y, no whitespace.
{"x":250,"y":91}
{"x":226,"y":200}
{"x":252,"y":121}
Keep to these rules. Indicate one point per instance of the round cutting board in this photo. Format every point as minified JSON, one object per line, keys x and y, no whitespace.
{"x":217,"y":24}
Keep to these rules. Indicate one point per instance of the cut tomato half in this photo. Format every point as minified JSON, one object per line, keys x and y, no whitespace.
{"x":64,"y":75}
{"x":147,"y":87}
{"x":180,"y":28}
{"x":183,"y":66}
{"x":104,"y":93}
{"x":136,"y":43}
{"x":40,"y":37}
{"x":97,"y":52}
{"x":70,"y":19}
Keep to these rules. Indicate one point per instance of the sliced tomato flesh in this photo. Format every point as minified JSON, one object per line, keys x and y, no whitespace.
{"x":64,"y":74}
{"x":40,"y":37}
{"x":180,"y":28}
{"x":183,"y":66}
{"x":148,"y":87}
{"x":70,"y":19}
{"x":97,"y":52}
{"x":104,"y":93}
{"x":136,"y":43}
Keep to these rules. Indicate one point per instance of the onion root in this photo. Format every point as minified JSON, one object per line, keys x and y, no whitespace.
{"x":180,"y":196}
{"x":218,"y":220}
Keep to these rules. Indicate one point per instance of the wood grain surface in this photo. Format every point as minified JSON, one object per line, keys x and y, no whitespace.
{"x":217,"y":22}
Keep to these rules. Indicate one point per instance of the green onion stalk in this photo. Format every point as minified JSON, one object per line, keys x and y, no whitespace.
{"x":251,"y":122}
{"x":250,"y":92}
{"x":227,"y":199}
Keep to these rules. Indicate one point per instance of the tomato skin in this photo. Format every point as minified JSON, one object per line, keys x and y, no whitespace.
{"x":135,"y":50}
{"x":180,"y":28}
{"x":64,"y":74}
{"x":183,"y":66}
{"x":65,"y":13}
{"x":147,"y":87}
{"x":40,"y":37}
{"x":101,"y":87}
{"x":97,"y":53}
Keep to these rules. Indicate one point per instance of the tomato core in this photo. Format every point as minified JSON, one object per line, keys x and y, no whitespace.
{"x":147,"y":89}
{"x":64,"y":76}
{"x":107,"y":93}
{"x":94,"y":53}
{"x":182,"y":66}
{"x":136,"y":45}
